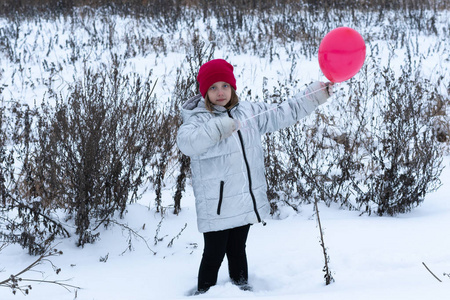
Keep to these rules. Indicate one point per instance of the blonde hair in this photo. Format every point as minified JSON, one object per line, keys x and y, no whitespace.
{"x":233,"y":101}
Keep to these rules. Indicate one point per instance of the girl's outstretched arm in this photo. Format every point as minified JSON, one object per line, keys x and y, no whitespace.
{"x":272,"y":117}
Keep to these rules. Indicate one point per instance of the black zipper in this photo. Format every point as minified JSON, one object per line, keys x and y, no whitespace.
{"x":255,"y":208}
{"x":222,"y":183}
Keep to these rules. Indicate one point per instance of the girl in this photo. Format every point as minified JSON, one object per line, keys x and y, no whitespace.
{"x":227,"y":163}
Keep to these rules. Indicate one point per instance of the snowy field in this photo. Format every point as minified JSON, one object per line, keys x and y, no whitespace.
{"x":371,"y":257}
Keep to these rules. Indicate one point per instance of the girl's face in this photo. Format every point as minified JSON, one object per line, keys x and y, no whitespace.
{"x":219,"y":93}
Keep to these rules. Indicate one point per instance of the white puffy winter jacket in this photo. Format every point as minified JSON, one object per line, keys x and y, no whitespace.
{"x":228,"y":174}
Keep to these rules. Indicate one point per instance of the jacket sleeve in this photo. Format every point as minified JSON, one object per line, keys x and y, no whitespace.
{"x":272,"y":117}
{"x":195,"y":137}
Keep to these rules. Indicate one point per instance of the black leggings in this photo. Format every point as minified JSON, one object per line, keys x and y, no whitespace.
{"x":218,"y":243}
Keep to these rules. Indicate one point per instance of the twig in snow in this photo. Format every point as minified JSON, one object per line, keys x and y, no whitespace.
{"x":132,"y":231}
{"x":158,"y":229}
{"x":431,"y":272}
{"x":177,"y":236}
{"x":328,"y":277}
{"x":16,"y":283}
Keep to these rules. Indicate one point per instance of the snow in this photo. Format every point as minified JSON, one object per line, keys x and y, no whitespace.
{"x":371,"y":257}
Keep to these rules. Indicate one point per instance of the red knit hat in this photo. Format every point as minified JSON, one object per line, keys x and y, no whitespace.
{"x":213,"y":71}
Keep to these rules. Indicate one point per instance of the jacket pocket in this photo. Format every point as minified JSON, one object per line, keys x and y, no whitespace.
{"x":219,"y":206}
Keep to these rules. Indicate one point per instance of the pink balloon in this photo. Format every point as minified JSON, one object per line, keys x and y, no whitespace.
{"x":341,"y":54}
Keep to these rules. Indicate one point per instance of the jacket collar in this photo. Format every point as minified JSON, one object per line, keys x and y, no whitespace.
{"x":198,"y":103}
{"x":222,"y":109}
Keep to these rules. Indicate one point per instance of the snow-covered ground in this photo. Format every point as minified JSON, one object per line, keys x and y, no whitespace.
{"x":371,"y":257}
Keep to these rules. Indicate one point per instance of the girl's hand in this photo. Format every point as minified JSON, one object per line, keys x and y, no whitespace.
{"x":318,"y":92}
{"x":329,"y":88}
{"x":229,"y":126}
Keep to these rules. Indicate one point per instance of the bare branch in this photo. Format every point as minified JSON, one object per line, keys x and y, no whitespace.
{"x":16,"y":283}
{"x":431,"y":272}
{"x":328,"y":277}
{"x":134,"y":232}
